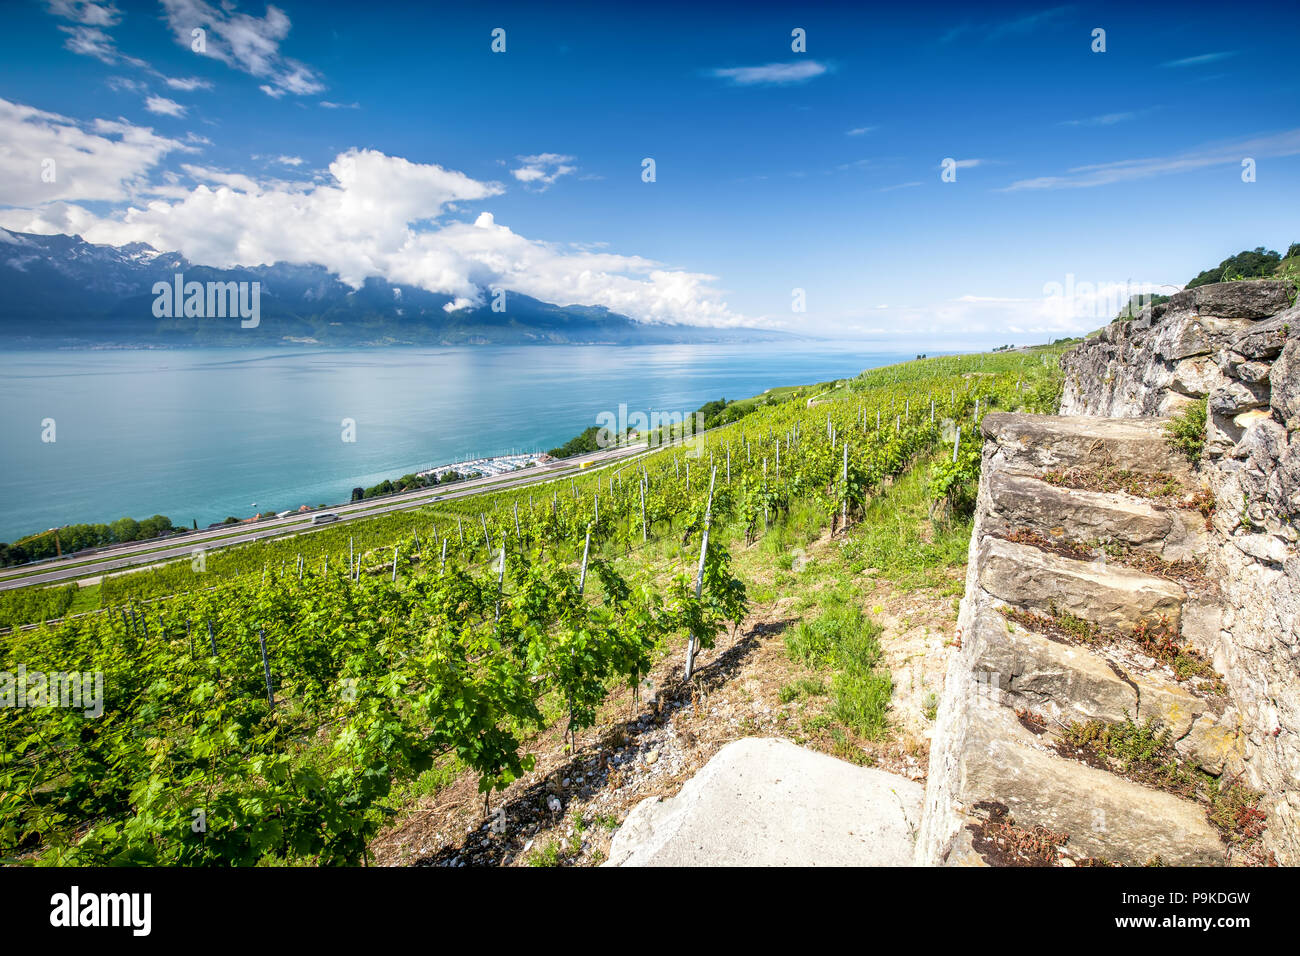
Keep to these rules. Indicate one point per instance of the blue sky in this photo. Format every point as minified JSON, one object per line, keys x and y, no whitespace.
{"x":395,"y":142}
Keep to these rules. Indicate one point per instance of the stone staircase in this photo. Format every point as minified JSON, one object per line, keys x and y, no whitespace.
{"x":1087,"y":609}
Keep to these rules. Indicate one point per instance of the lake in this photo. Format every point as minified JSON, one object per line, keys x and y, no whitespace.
{"x":199,"y":434}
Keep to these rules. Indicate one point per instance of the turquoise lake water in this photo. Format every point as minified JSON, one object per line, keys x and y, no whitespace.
{"x":198,"y":434}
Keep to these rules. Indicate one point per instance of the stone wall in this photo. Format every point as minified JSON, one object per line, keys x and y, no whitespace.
{"x":1236,"y":344}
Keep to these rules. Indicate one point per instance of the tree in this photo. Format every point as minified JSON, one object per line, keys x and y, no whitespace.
{"x":125,"y":529}
{"x":154,"y":526}
{"x":1248,"y":264}
{"x":358,"y":494}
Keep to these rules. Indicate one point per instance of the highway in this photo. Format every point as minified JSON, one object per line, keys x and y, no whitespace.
{"x":156,"y":550}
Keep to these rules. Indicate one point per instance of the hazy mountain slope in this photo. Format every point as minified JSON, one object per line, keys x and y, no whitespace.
{"x":65,"y":291}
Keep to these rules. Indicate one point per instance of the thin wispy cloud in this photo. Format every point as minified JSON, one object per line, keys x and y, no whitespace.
{"x":246,"y":43}
{"x":1203,"y":58}
{"x":339,"y":106}
{"x":1125,"y":170}
{"x":860,"y":131}
{"x":186,"y":84}
{"x":890,"y":189}
{"x":1018,"y":26}
{"x":1105,"y":119}
{"x":772,"y":74}
{"x":1030,"y":22}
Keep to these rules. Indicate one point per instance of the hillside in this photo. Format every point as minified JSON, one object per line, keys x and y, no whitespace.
{"x":836,"y":534}
{"x":62,"y":290}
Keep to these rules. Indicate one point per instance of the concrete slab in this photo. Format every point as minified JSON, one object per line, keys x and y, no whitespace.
{"x":768,"y":802}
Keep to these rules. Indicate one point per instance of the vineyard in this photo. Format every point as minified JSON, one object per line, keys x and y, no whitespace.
{"x":263,"y":703}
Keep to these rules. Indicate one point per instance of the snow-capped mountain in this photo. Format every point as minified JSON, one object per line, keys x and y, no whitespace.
{"x":62,"y":290}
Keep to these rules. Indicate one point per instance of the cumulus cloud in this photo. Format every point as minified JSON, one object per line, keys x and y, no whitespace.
{"x":244,"y":42}
{"x":103,"y":160}
{"x":163,"y":106}
{"x":380,"y":215}
{"x":772,"y":74}
{"x":543,"y":169}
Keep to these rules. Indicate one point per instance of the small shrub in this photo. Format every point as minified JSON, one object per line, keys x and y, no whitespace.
{"x":1187,"y":431}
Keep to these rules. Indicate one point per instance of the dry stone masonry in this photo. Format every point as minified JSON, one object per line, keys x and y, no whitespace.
{"x":1126,"y":687}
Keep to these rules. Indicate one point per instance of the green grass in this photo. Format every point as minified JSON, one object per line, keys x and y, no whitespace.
{"x":904,"y":544}
{"x":803,"y":687}
{"x":548,"y":855}
{"x":844,"y":639}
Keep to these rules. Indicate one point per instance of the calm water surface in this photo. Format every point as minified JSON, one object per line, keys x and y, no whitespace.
{"x":198,"y":434}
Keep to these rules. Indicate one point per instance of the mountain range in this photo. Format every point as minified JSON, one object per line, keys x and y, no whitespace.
{"x":61,"y":290}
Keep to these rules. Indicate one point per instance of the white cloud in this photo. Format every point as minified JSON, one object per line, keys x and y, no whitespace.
{"x":772,"y":73}
{"x":103,"y":160}
{"x":90,"y":41}
{"x":88,"y":12}
{"x":163,"y":106}
{"x":380,"y":215}
{"x":186,"y":84}
{"x":860,"y":131}
{"x":1211,"y":154}
{"x":543,"y":169}
{"x":125,"y":83}
{"x":289,"y":160}
{"x":1203,"y":58}
{"x":1106,"y":119}
{"x":245,"y":43}
{"x":339,"y":106}
{"x":1066,"y":308}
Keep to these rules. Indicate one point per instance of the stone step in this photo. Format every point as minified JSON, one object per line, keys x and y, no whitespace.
{"x":1020,"y":501}
{"x":768,"y":802}
{"x":1033,"y":444}
{"x":1105,"y":594}
{"x":1104,"y":816}
{"x":1062,"y":683}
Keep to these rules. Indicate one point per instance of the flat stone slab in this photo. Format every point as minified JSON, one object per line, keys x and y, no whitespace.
{"x":1036,"y":443}
{"x":767,"y":802}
